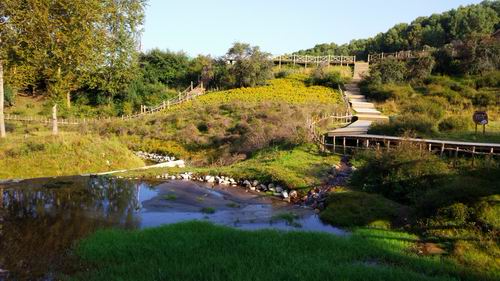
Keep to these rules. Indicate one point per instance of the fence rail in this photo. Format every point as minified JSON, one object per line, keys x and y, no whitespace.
{"x":189,"y":93}
{"x":402,"y":55}
{"x":306,"y":59}
{"x":387,"y":142}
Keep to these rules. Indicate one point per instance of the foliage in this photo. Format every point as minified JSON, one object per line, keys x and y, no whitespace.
{"x":328,"y":77}
{"x":388,"y":71}
{"x":250,"y":67}
{"x":437,"y":30}
{"x":68,"y":154}
{"x":355,"y":208}
{"x":156,"y":256}
{"x":454,"y":123}
{"x":402,"y":174}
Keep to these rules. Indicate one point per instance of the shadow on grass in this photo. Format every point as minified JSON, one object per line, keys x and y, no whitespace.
{"x":202,"y":251}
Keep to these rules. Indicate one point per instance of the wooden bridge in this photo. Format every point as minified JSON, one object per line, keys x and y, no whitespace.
{"x":441,"y":147}
{"x":307,"y":60}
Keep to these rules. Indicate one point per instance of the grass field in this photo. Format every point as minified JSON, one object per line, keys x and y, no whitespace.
{"x":299,"y":167}
{"x":66,"y":154}
{"x":201,"y":251}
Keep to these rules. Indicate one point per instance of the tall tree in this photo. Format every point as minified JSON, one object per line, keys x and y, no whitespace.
{"x":251,"y":66}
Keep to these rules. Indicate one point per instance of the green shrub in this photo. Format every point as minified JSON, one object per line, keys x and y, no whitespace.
{"x":383,"y":92}
{"x":405,"y":124}
{"x":358,"y":209}
{"x":9,"y":94}
{"x":388,"y":71}
{"x":322,"y":76}
{"x":486,"y":98}
{"x":426,"y":107}
{"x":490,"y":79}
{"x":454,"y":123}
{"x":402,"y":174}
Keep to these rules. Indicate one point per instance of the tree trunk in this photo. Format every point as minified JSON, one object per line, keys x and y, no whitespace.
{"x":68,"y":99}
{"x":2,"y":121}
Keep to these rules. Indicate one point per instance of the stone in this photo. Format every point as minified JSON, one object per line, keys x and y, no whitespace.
{"x":284,"y":193}
{"x":293,"y":194}
{"x":270,"y":186}
{"x":252,"y":188}
{"x":255,"y":183}
{"x":279,"y":189}
{"x":262,"y":187}
{"x":247,"y":184}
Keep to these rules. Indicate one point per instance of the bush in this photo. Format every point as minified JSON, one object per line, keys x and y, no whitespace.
{"x":454,"y":123}
{"x":420,"y":68}
{"x":388,"y":71}
{"x":9,"y":94}
{"x":383,"y":92}
{"x":358,"y":209}
{"x":490,"y":79}
{"x":404,"y":124}
{"x":322,"y":76}
{"x":402,"y":174}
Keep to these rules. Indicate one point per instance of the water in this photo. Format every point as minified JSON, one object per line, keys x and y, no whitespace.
{"x":42,"y":219}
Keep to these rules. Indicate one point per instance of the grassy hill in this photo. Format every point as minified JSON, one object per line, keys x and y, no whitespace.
{"x":68,"y":154}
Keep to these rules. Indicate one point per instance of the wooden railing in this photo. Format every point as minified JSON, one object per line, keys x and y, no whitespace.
{"x":402,"y":55}
{"x":317,"y":60}
{"x":189,"y":93}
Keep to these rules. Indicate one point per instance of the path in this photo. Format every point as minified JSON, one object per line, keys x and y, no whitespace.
{"x":366,"y":113}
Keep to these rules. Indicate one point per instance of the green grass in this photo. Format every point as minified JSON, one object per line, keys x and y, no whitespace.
{"x":202,"y":251}
{"x":353,"y":208}
{"x":66,"y":154}
{"x":299,"y":167}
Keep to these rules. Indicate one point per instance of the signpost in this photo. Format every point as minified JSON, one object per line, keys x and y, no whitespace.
{"x":480,"y":118}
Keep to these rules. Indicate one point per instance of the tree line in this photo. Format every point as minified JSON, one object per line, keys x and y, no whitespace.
{"x":86,"y":52}
{"x":451,"y":31}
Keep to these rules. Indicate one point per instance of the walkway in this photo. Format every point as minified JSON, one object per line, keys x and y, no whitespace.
{"x":366,"y":113}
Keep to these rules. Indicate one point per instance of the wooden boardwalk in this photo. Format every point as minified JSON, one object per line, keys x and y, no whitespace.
{"x":441,"y":147}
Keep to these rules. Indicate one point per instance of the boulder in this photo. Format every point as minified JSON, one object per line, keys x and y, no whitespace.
{"x":279,"y":189}
{"x":255,"y":183}
{"x":293,"y":194}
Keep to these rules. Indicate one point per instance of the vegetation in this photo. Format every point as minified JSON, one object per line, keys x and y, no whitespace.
{"x":455,"y":205}
{"x":458,"y":27}
{"x":67,"y":154}
{"x":354,"y":208}
{"x":428,"y":105}
{"x":294,"y":167}
{"x":223,"y":127}
{"x":154,"y":254}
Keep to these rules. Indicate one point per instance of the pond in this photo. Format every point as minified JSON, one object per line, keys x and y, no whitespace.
{"x":41,"y":219}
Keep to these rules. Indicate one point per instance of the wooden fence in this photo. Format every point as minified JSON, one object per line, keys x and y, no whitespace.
{"x":441,"y":147}
{"x":188,"y":94}
{"x":314,"y":60}
{"x":402,"y":55}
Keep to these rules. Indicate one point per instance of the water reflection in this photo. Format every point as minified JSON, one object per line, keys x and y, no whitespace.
{"x":40,"y":220}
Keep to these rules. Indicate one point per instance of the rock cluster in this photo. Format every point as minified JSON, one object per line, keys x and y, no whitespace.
{"x":251,"y":185}
{"x":154,"y":157}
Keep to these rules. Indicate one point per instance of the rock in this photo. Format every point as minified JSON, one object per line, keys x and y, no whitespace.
{"x":293,"y":194}
{"x":247,"y":184}
{"x":262,"y":187}
{"x":284,"y":193}
{"x":255,"y":183}
{"x":172,"y":177}
{"x":270,"y":186}
{"x":209,"y":179}
{"x":279,"y":189}
{"x":252,"y":188}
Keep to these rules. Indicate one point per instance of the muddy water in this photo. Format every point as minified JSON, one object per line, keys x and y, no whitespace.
{"x":42,"y":219}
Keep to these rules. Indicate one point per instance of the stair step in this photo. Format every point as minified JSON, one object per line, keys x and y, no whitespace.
{"x":371,"y":117}
{"x":362,"y":104}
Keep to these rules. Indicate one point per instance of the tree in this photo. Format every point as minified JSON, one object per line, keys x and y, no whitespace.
{"x":250,"y":66}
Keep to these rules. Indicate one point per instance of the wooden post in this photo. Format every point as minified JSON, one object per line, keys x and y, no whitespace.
{"x":473,"y":155}
{"x":192,"y":85}
{"x":388,"y":145}
{"x":280,"y":62}
{"x":334,"y":143}
{"x":55,"y":130}
{"x":442,"y":149}
{"x":294,"y":60}
{"x":430,"y":148}
{"x":357,"y":142}
{"x":367,"y":143}
{"x":305,"y":62}
{"x":343,"y":144}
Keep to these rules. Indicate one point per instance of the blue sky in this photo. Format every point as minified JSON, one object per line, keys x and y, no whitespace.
{"x":277,"y":26}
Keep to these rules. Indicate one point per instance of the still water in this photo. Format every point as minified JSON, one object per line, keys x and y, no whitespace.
{"x":42,"y":219}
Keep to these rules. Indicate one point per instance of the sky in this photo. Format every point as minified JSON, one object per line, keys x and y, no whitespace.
{"x":210,"y":27}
